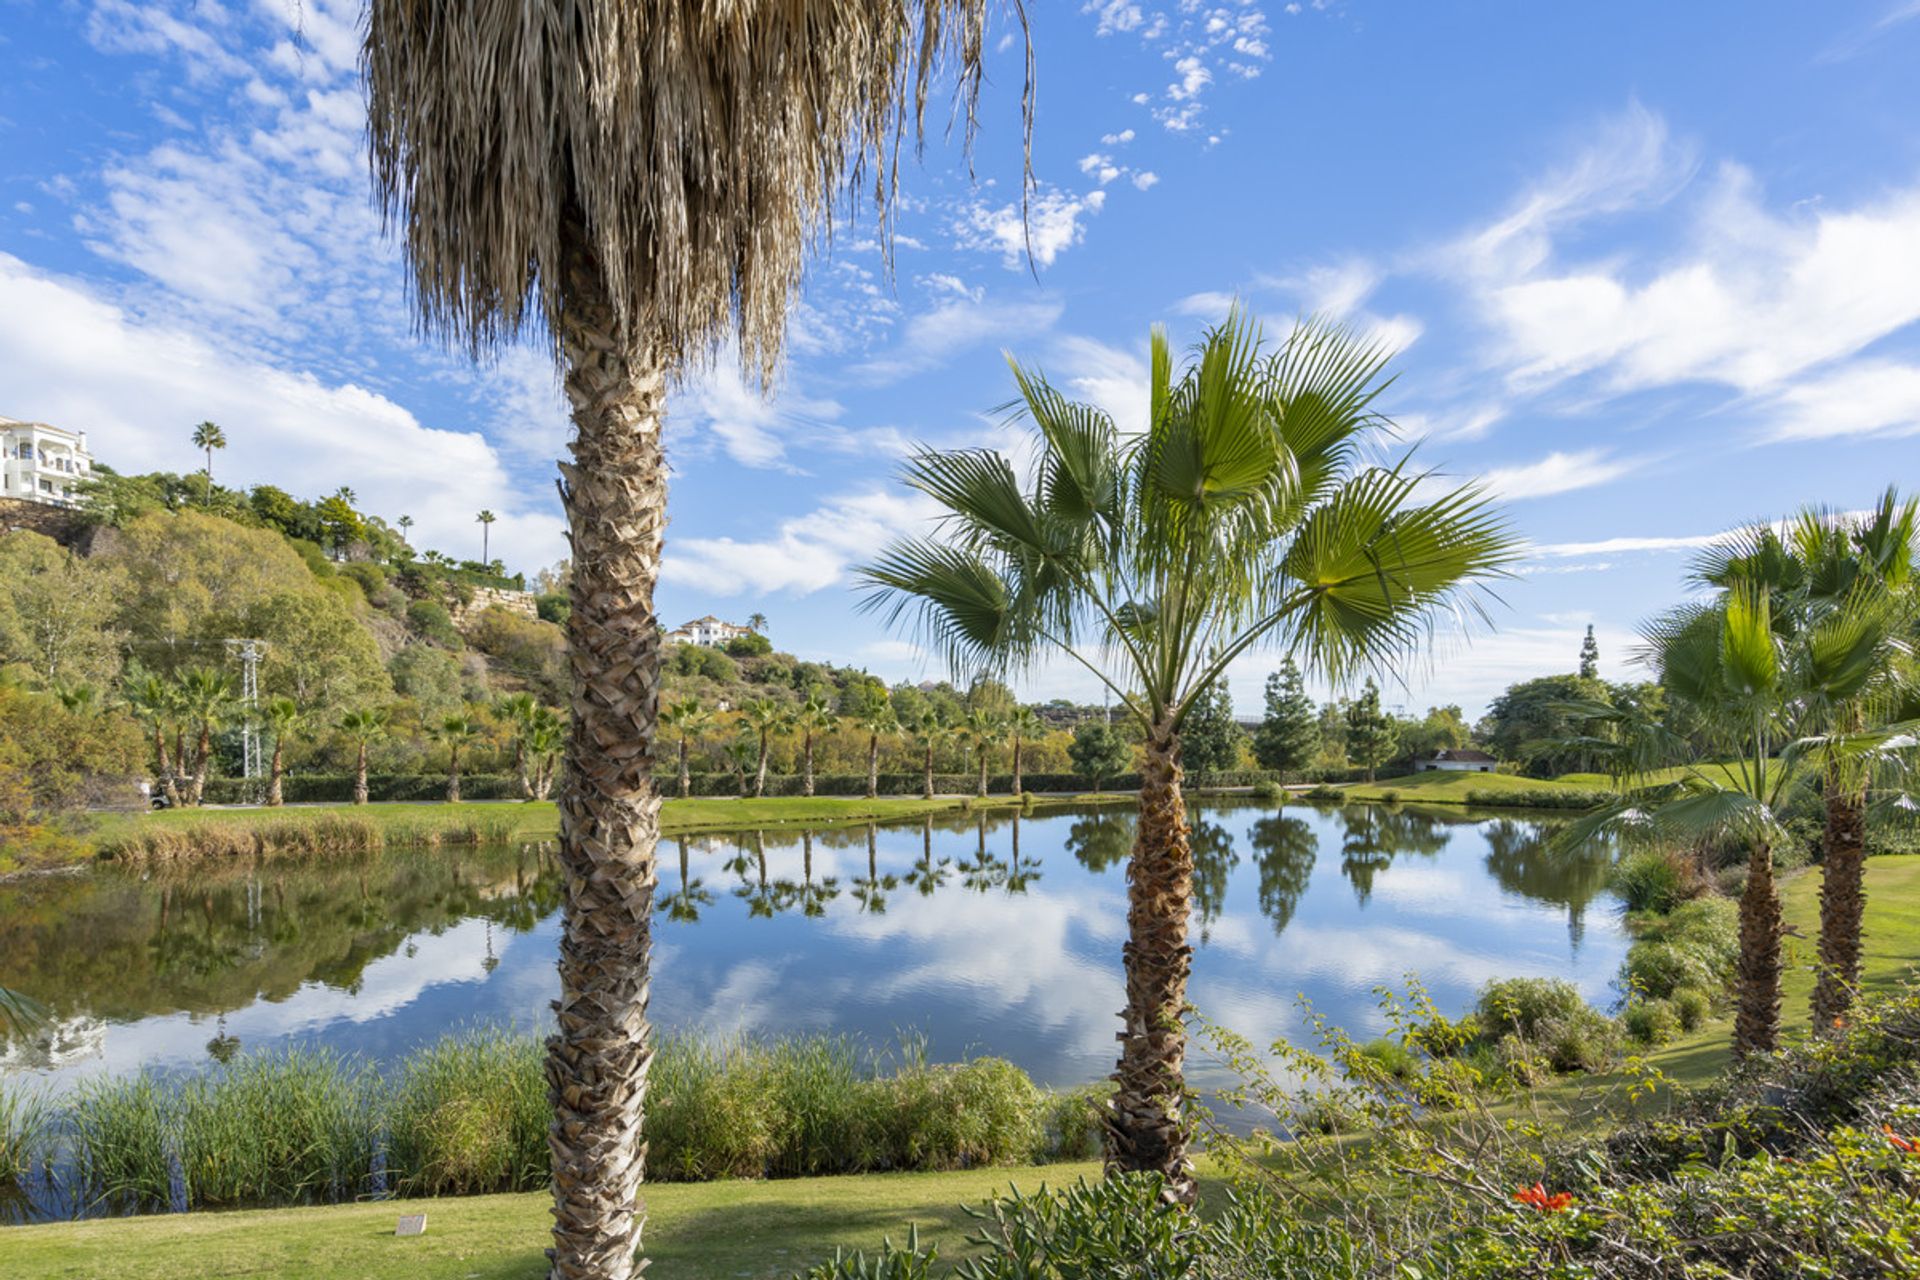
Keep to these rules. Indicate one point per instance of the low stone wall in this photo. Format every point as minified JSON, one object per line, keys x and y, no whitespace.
{"x":484,"y":598}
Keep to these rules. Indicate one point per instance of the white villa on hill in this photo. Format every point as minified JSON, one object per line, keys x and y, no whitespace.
{"x":709,"y":631}
{"x":39,"y":463}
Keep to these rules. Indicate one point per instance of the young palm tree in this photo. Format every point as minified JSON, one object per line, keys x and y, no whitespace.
{"x":650,"y":177}
{"x":157,"y":702}
{"x":405,"y":523}
{"x":689,"y":720}
{"x":928,"y":733}
{"x":546,"y":739}
{"x":518,"y":711}
{"x":208,"y":437}
{"x":1825,"y":566}
{"x":286,"y":719}
{"x":205,"y":700}
{"x":876,"y":721}
{"x":983,"y":730}
{"x":486,"y":519}
{"x":757,"y":622}
{"x":1025,"y":726}
{"x":363,"y":726}
{"x":1242,"y":517}
{"x":810,"y":717}
{"x":763,"y":717}
{"x":458,"y":732}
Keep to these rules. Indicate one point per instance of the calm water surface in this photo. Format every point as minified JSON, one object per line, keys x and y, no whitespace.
{"x":990,"y":934}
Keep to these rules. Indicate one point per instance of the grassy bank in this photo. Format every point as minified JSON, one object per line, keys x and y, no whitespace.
{"x":1443,"y":787}
{"x":695,"y":1231}
{"x":183,"y":833}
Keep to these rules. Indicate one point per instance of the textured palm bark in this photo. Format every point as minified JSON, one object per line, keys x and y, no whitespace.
{"x":275,"y":774}
{"x":873,"y":765}
{"x":760,"y":770}
{"x":926,"y":776}
{"x":202,"y":757}
{"x":983,"y":772}
{"x":1145,"y":1128}
{"x":1843,"y":900}
{"x":806,"y":786}
{"x":453,"y":777}
{"x":686,"y":778}
{"x":360,"y":776}
{"x":1019,"y":786}
{"x":597,"y":1060}
{"x":1756,"y":1023}
{"x":168,"y":787}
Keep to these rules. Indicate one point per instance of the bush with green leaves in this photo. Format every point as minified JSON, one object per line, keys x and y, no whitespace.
{"x":1650,"y":1022}
{"x":1650,"y":880}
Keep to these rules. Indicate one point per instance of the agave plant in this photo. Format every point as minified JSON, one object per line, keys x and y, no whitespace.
{"x":1242,"y":517}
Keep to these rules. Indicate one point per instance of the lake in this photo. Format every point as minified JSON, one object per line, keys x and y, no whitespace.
{"x":992,"y":934}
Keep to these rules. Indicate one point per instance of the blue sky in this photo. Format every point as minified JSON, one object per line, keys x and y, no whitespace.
{"x":1655,"y":270}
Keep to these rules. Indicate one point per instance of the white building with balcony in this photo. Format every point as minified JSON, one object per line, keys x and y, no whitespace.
{"x":709,"y":631}
{"x":39,"y":463}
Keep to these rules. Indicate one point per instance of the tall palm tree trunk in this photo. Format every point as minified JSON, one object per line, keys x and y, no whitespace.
{"x":597,"y":1060}
{"x":926,"y":775}
{"x":983,"y":772}
{"x":686,"y":779}
{"x":806,"y":785}
{"x":202,"y":757}
{"x":1843,"y":900}
{"x":760,"y":771}
{"x":520,"y":763}
{"x":1019,"y":786}
{"x":453,"y":776}
{"x":168,"y":784}
{"x":1756,"y":1024}
{"x":873,"y":765}
{"x":1145,"y":1129}
{"x":274,"y":800}
{"x":360,"y":776}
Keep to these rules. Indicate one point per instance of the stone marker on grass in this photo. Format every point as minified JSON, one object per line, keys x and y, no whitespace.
{"x":413,"y":1224}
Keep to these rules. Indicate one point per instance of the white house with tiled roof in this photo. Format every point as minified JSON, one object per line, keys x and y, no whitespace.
{"x":709,"y":631}
{"x":41,"y":463}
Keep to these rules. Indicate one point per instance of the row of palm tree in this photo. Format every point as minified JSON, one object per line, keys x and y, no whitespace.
{"x":984,"y":731}
{"x":1794,"y":684}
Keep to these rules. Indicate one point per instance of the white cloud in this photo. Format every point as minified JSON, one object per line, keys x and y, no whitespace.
{"x":1870,"y":397}
{"x":1145,"y":179}
{"x":806,"y":554}
{"x":932,"y":337}
{"x":1119,"y":139}
{"x":1617,"y":546}
{"x":1209,"y":305}
{"x":137,"y":386}
{"x":1115,"y":15}
{"x":1556,"y":473}
{"x":1054,"y":222}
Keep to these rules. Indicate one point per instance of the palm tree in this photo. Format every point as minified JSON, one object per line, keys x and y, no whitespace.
{"x":363,"y":726}
{"x":763,"y":717}
{"x":811,"y":716}
{"x":457,"y":731}
{"x":158,"y":703}
{"x":517,"y":711}
{"x":208,"y":437}
{"x":205,"y":699}
{"x":871,"y":890}
{"x":1827,"y":565}
{"x":984,"y":730}
{"x":406,"y":523}
{"x":546,"y":738}
{"x":285,"y":718}
{"x":757,"y":622}
{"x":876,"y":721}
{"x":928,"y":733}
{"x":1025,"y":726}
{"x":685,"y":903}
{"x":1242,"y":517}
{"x":650,"y":179}
{"x":688,"y":719}
{"x":486,"y":519}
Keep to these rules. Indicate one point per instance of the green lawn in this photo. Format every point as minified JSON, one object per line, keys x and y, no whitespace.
{"x":694,"y":1231}
{"x":1438,"y":786}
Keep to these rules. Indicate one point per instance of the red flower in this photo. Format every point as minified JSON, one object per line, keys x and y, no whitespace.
{"x":1909,"y":1145}
{"x":1536,"y":1197}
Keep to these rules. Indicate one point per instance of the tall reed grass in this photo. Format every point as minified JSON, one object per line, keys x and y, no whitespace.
{"x":468,"y":1115}
{"x":25,"y":1136}
{"x":294,"y":834}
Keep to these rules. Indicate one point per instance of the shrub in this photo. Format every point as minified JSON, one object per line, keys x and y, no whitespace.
{"x":1268,"y":790}
{"x":432,"y":623}
{"x":1695,"y":946}
{"x":1657,"y":969}
{"x":1321,"y":793}
{"x":1539,"y":798}
{"x":1525,"y":1005}
{"x":1390,"y":796}
{"x":1692,"y":1007}
{"x":1650,"y":1022}
{"x":1586,"y":1040}
{"x":1650,"y":880}
{"x":1394,"y":1058}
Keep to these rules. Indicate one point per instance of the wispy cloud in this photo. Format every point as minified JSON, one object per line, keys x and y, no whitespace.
{"x":1557,"y":473}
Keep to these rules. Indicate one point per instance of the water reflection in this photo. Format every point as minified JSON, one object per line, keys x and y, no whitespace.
{"x":989,"y":932}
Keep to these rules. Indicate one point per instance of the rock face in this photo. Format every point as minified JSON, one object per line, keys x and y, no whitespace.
{"x":484,"y":598}
{"x":62,"y":524}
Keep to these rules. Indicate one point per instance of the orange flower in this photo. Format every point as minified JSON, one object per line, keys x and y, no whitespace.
{"x":1839,"y":1022}
{"x":1909,"y":1145}
{"x":1536,"y":1197}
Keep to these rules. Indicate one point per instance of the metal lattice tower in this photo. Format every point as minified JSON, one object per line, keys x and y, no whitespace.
{"x":249,"y":651}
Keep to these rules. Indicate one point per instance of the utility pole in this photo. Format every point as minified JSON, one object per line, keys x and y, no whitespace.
{"x":249,"y":651}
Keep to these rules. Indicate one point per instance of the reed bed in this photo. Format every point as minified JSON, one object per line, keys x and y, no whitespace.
{"x":468,"y":1115}
{"x":25,"y":1136}
{"x":326,"y":834}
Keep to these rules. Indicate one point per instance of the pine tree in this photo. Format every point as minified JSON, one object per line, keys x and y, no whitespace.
{"x":1370,"y":731}
{"x":1590,"y":656}
{"x":1288,"y":738}
{"x":1211,"y":740}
